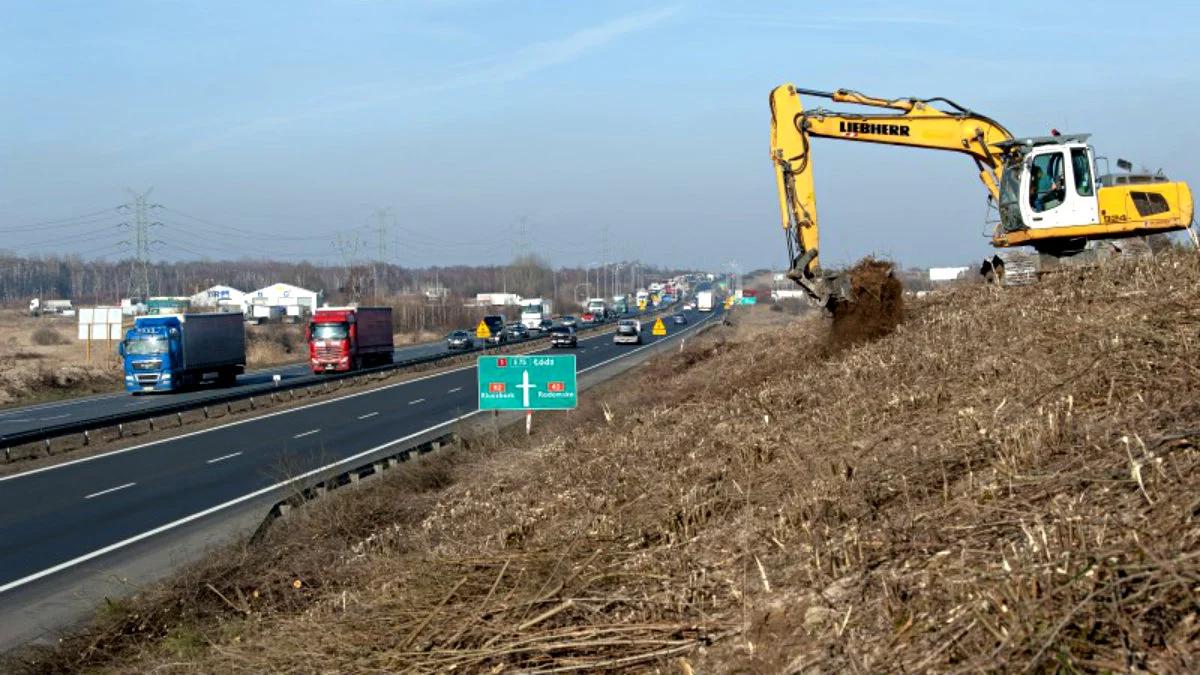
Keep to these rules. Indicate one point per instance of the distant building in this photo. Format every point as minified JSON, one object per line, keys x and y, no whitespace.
{"x":294,"y":300}
{"x":496,"y":299}
{"x":222,"y":298}
{"x":947,"y":273}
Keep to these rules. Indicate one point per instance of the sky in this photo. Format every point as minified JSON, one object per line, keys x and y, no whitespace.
{"x":585,"y":132}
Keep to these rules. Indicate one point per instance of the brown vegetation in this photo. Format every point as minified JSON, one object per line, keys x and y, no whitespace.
{"x":40,"y":360}
{"x":873,"y":307}
{"x":46,"y":335}
{"x":1005,"y":482}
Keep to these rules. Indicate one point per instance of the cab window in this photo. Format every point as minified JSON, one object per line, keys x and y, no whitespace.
{"x":1083,"y":172}
{"x":1046,"y":182}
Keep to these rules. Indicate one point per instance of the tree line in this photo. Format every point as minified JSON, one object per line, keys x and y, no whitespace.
{"x":102,"y":282}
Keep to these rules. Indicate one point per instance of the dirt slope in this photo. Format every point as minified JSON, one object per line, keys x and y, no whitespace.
{"x":1006,"y":482}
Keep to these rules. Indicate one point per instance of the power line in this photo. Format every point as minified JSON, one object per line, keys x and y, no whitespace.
{"x":64,"y":225}
{"x":248,"y":233}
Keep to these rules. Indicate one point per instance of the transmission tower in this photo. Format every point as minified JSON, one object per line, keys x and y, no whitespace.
{"x":140,"y":242}
{"x":604,"y":256}
{"x":347,"y":246}
{"x":381,"y":225}
{"x":523,"y":235}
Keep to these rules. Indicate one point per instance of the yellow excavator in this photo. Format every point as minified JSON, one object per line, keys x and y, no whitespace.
{"x":1053,"y":208}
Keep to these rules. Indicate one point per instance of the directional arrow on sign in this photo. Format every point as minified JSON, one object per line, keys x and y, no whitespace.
{"x":525,"y":387}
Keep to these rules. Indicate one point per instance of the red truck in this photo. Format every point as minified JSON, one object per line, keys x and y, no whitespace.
{"x":349,"y":338}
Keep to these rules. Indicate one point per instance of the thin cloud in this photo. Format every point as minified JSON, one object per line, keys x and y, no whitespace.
{"x":518,"y":65}
{"x":540,"y":56}
{"x":831,"y":23}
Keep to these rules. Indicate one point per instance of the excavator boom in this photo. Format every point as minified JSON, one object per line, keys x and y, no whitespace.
{"x":918,"y":124}
{"x":1028,"y":179}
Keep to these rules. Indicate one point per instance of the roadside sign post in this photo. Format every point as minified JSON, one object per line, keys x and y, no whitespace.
{"x":533,"y":382}
{"x":99,"y":323}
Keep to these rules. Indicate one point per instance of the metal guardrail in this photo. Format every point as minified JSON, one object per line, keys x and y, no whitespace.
{"x":52,"y":431}
{"x":359,"y":474}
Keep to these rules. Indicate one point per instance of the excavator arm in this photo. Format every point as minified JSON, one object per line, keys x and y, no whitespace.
{"x":918,"y":123}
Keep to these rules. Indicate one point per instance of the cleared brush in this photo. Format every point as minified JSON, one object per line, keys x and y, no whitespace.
{"x":1005,"y":482}
{"x":874,"y":305}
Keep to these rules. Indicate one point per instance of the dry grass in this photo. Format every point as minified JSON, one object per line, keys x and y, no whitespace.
{"x":40,"y":360}
{"x":275,"y":344}
{"x":46,"y":335}
{"x":1006,"y":482}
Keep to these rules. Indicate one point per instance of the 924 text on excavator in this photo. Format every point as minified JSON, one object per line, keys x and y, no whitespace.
{"x":1053,"y":208}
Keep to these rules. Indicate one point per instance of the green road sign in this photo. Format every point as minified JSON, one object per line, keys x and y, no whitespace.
{"x":535,"y":382}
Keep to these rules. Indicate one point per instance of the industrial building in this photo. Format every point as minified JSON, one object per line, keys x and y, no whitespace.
{"x":220,"y":298}
{"x":294,"y":301}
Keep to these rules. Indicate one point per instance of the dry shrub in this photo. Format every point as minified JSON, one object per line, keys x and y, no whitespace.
{"x":273,"y":344}
{"x":47,"y":336}
{"x":874,"y":308}
{"x":1008,"y":482}
{"x":26,"y":377}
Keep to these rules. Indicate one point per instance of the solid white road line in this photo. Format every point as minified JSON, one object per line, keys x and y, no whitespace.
{"x":307,"y":433}
{"x":370,"y":414}
{"x":420,"y":400}
{"x":214,"y":460}
{"x":633,"y":351}
{"x":262,"y":491}
{"x":454,"y":390}
{"x":54,"y":417}
{"x":112,"y":489}
{"x":92,"y":458}
{"x":220,"y":507}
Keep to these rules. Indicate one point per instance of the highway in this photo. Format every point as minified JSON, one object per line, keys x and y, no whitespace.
{"x":80,"y":511}
{"x":32,"y":417}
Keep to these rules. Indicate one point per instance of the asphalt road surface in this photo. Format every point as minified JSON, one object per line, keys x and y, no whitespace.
{"x":82,"y":510}
{"x":37,"y":416}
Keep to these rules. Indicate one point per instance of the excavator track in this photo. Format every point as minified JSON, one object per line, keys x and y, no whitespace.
{"x":1022,"y":267}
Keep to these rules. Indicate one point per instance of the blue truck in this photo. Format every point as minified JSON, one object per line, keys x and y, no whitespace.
{"x":174,"y":351}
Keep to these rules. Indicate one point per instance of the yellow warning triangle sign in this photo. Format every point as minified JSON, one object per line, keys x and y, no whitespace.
{"x":659,"y":328}
{"x":482,"y":331}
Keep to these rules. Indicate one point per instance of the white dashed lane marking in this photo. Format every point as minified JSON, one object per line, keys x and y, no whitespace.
{"x":370,"y":414}
{"x":111,"y":489}
{"x":214,"y":460}
{"x":307,"y":433}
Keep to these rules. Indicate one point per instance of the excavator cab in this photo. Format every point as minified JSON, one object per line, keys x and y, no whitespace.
{"x":1047,"y":182}
{"x":1051,"y":198}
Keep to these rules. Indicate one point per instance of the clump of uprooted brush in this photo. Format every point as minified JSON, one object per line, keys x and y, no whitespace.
{"x":873,"y":308}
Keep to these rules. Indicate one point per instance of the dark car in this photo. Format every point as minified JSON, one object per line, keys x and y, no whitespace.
{"x":563,"y":336}
{"x":567,"y":320}
{"x":679,"y":319}
{"x":460,"y":339}
{"x":495,"y":324}
{"x":545,"y":326}
{"x":518,"y":331}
